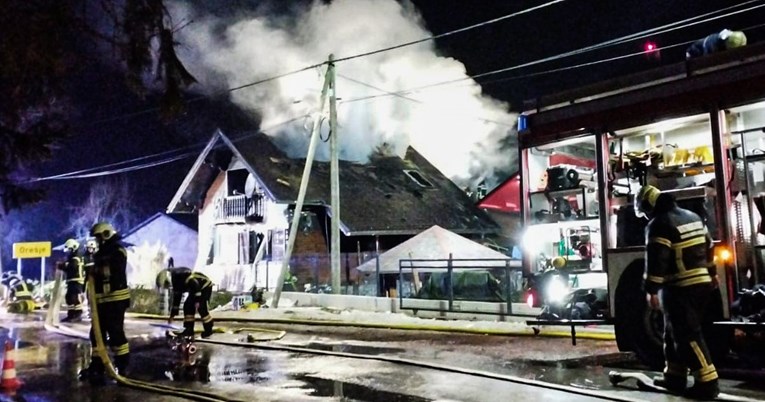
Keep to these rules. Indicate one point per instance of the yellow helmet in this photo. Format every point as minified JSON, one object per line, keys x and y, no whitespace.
{"x":164,"y":279}
{"x":558,"y":262}
{"x":645,"y":200}
{"x":71,"y":246}
{"x":103,"y":230}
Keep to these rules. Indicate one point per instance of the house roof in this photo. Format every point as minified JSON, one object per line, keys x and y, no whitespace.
{"x":377,"y":198}
{"x":506,"y":197}
{"x":437,"y":243}
{"x":153,"y":218}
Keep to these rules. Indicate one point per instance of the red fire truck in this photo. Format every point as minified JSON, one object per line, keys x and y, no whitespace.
{"x":694,"y":129}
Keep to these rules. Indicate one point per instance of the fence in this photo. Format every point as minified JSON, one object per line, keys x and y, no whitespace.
{"x":498,"y":281}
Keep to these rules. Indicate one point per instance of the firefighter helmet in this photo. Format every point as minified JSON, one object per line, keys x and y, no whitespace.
{"x":558,"y":262}
{"x":645,"y":201}
{"x":164,"y":279}
{"x":71,"y":246}
{"x":103,"y":230}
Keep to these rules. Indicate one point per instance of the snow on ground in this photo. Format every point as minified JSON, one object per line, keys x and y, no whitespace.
{"x":350,"y":316}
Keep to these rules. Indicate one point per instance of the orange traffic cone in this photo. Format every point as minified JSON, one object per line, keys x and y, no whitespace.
{"x":9,"y":381}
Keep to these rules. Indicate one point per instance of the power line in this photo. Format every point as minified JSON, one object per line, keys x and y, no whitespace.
{"x":338,"y":60}
{"x":639,"y":35}
{"x":456,"y":31}
{"x":98,"y":172}
{"x":669,"y":27}
{"x":634,"y":54}
{"x":485,"y":120}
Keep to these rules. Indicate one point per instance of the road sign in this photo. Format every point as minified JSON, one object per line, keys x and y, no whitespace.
{"x":38,"y":249}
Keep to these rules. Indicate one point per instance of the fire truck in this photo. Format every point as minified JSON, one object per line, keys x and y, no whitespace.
{"x":694,"y":129}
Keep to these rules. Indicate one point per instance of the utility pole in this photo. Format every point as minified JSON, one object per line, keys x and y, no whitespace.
{"x":301,"y":193}
{"x":334,"y":179}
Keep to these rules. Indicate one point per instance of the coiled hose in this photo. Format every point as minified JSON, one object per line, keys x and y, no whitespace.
{"x":100,"y":350}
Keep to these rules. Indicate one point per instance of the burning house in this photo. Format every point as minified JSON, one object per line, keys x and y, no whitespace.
{"x":244,"y":190}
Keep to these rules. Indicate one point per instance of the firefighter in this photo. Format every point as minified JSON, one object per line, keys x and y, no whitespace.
{"x":679,"y":279}
{"x":75,"y":280}
{"x":19,"y":292}
{"x":716,"y":42}
{"x":112,"y":298}
{"x":90,"y":251}
{"x":199,"y":290}
{"x":18,"y":288}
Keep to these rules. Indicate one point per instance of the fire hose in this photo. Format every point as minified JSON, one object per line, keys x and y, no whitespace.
{"x":604,"y":336}
{"x":100,"y":350}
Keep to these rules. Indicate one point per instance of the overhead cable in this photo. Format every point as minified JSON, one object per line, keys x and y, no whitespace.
{"x":485,"y":120}
{"x":338,"y":60}
{"x":456,"y":31}
{"x":99,"y":171}
{"x":639,"y":35}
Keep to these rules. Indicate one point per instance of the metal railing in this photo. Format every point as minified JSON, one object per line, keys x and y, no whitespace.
{"x":238,"y":208}
{"x":504,"y":273}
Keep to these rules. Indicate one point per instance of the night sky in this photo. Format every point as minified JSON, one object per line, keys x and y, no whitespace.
{"x":100,"y":95}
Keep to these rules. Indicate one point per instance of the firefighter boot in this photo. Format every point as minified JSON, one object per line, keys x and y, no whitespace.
{"x":94,"y":373}
{"x":208,"y":330}
{"x":188,"y":330}
{"x":69,"y":316}
{"x":705,"y":391}
{"x":672,"y":383}
{"x":121,"y":363}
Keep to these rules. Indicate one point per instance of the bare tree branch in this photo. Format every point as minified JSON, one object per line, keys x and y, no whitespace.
{"x":110,"y":201}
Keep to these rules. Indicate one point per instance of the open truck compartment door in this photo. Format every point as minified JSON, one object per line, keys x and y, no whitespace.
{"x":694,"y":129}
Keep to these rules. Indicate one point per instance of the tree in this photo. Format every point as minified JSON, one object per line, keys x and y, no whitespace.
{"x":109,"y":200}
{"x":42,"y":43}
{"x":10,"y":233}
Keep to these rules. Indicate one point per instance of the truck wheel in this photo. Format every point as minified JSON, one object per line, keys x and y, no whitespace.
{"x":638,"y":328}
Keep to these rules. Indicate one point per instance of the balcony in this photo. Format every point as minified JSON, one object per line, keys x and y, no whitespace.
{"x":240,"y":209}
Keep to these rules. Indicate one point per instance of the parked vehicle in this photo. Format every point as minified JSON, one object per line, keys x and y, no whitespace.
{"x":694,"y":129}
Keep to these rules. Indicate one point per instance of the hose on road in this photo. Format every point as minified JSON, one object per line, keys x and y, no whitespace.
{"x":100,"y":350}
{"x":402,"y":326}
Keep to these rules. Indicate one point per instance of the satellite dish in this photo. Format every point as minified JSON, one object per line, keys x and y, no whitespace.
{"x":250,"y":185}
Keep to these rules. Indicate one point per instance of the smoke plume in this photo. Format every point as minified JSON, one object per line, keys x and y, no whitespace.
{"x":457,"y":128}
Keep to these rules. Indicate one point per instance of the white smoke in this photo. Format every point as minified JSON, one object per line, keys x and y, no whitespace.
{"x":455,"y":127}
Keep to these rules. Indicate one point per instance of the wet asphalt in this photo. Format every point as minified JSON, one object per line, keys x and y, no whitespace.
{"x":47,"y":364}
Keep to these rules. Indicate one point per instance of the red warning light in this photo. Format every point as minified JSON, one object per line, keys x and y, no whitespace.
{"x":652,"y":51}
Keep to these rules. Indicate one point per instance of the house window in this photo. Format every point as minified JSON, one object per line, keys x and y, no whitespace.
{"x":418,"y":178}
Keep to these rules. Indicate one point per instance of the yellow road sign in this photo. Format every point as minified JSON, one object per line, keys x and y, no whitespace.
{"x":37,"y":249}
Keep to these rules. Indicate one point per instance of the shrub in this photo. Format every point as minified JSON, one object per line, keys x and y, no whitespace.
{"x":220,"y":298}
{"x":144,"y":301}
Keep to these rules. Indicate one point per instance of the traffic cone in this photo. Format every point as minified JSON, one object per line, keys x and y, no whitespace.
{"x":9,"y":381}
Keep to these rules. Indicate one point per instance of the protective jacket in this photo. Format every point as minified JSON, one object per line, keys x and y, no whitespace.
{"x":678,"y":248}
{"x":19,"y":288}
{"x":188,"y":281}
{"x":110,"y":273}
{"x":73,"y":269}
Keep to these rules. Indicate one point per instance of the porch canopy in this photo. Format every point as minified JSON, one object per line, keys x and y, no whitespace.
{"x":436,"y":243}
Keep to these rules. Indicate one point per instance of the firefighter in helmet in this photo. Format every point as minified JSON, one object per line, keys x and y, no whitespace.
{"x":90,"y":251}
{"x":199,"y":289}
{"x":112,"y":297}
{"x":19,"y":292}
{"x":18,"y":288}
{"x":679,"y":279}
{"x":75,"y":280}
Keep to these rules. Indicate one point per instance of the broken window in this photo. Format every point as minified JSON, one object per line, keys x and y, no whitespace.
{"x":418,"y":178}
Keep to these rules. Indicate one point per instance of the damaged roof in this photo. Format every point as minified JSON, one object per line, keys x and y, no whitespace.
{"x":388,"y":195}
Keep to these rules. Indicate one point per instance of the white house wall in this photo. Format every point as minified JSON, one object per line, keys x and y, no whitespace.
{"x":154,"y":244}
{"x":206,"y":226}
{"x":226,"y":270}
